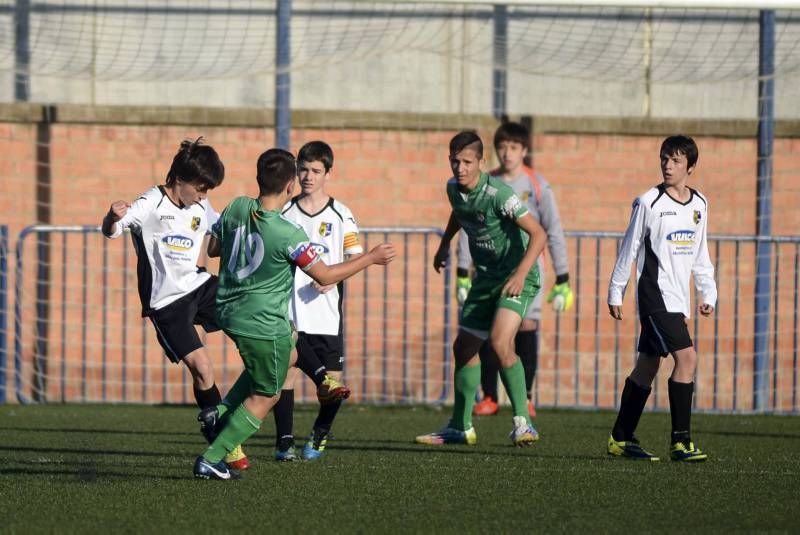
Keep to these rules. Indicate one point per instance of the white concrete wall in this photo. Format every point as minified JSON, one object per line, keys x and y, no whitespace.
{"x":407,"y":58}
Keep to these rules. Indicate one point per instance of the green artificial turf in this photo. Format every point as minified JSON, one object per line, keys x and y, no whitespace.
{"x":95,"y":468}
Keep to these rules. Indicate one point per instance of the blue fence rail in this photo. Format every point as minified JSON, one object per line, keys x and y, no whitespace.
{"x":78,"y":335}
{"x":398,"y":327}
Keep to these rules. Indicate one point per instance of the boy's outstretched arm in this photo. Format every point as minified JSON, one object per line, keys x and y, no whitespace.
{"x":440,"y":258}
{"x":538,"y":238}
{"x":324,"y":274}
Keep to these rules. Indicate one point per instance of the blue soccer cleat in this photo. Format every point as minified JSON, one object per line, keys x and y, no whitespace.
{"x":680,"y":451}
{"x":206,"y":470}
{"x":315,"y":446}
{"x":285,"y":451}
{"x":449,"y":435}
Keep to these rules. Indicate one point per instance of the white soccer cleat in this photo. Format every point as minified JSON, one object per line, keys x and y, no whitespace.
{"x":523,"y":434}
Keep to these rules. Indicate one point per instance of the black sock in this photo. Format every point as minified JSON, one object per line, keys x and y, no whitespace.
{"x":283,"y":412}
{"x":680,"y":409}
{"x":632,"y":403}
{"x":489,"y":370}
{"x":325,"y":417}
{"x":526,"y":344}
{"x":207,"y":398}
{"x":309,"y":363}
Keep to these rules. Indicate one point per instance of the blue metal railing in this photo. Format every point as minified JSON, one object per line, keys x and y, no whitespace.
{"x":71,"y":274}
{"x":3,"y":310}
{"x":583,"y":358}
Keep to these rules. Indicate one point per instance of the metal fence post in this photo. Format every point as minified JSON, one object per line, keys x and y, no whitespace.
{"x":3,"y":310}
{"x":766,"y":131}
{"x":283,"y":112}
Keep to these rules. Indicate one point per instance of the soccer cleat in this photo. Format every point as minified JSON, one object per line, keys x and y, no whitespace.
{"x":206,"y":470}
{"x":449,"y":435}
{"x":285,"y":451}
{"x":331,"y":390}
{"x":630,"y":449}
{"x":523,"y":434}
{"x":237,"y":459}
{"x":209,"y":421}
{"x":690,"y":454}
{"x":315,"y":446}
{"x":485,"y":407}
{"x":531,"y":409}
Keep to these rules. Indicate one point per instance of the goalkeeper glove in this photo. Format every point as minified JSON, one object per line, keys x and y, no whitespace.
{"x":463,"y":284}
{"x":561,"y":296}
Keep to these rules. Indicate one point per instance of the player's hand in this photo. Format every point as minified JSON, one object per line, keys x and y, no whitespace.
{"x":615,"y":311}
{"x":463,"y":285}
{"x":706,"y":309}
{"x":514,"y":285}
{"x":441,"y":256}
{"x":322,"y":289}
{"x":561,"y":296}
{"x":118,"y":210}
{"x":383,"y":254}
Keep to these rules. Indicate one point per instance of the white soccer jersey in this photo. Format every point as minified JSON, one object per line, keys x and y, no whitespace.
{"x":168,"y":240}
{"x":667,"y":239}
{"x":334,"y":234}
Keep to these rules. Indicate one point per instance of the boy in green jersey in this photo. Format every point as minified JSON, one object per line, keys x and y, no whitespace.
{"x":259,"y":250}
{"x":505,"y":241}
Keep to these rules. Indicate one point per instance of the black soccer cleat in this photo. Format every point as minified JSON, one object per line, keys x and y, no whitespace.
{"x":206,"y":470}
{"x":209,"y":423}
{"x":630,"y":449}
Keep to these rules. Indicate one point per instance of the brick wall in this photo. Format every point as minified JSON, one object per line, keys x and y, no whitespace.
{"x":388,"y":179}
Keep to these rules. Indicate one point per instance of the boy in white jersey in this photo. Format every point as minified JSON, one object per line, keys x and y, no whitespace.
{"x":314,"y":309}
{"x":512,"y":143}
{"x":666,"y":237}
{"x":168,"y":225}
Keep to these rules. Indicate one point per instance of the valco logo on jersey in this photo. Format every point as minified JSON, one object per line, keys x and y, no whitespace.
{"x":177,"y":242}
{"x":681,"y":237}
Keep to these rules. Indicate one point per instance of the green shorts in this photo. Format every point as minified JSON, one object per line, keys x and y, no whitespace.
{"x":484,"y":299}
{"x":267,"y":361}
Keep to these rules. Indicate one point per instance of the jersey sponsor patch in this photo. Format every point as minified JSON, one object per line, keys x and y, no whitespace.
{"x":304,"y":255}
{"x":325,"y":229}
{"x":177,"y":242}
{"x":681,"y":237}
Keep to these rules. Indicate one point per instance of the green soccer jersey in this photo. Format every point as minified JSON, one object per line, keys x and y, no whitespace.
{"x":259,"y":250}
{"x":488,"y":215}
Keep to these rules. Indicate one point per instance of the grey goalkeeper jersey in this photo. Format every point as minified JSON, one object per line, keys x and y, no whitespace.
{"x":533,"y":190}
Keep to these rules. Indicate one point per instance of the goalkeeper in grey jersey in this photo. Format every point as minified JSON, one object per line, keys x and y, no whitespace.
{"x":512,"y":144}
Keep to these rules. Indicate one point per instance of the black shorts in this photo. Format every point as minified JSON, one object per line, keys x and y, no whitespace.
{"x":175,"y":322}
{"x":663,"y":333}
{"x":326,"y":349}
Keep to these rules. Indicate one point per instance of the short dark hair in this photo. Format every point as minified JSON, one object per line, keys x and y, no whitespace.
{"x":512,"y":132}
{"x":275,"y":169}
{"x":196,"y":164}
{"x":681,"y":145}
{"x":316,"y":151}
{"x":464,"y":139}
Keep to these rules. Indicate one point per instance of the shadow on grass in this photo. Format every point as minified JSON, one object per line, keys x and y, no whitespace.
{"x":99,"y":431}
{"x":27,"y":450}
{"x":88,"y":474}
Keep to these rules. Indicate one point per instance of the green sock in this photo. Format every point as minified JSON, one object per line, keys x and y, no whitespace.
{"x":467,"y":379}
{"x":241,"y":425}
{"x":514,"y":381}
{"x":239,"y":392}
